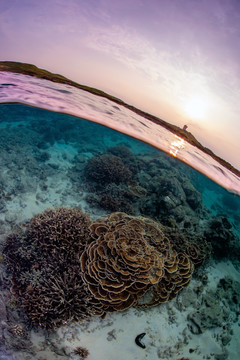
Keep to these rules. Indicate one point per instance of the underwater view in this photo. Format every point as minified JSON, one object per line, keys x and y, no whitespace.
{"x":111,"y":246}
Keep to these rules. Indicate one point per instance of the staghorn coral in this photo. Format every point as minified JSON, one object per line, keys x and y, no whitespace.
{"x":106,"y":169}
{"x":59,"y":299}
{"x":55,"y":236}
{"x":44,"y":263}
{"x":128,"y":256}
{"x":63,"y":228}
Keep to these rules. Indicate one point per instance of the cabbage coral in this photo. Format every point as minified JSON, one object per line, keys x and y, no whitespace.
{"x":127,"y":256}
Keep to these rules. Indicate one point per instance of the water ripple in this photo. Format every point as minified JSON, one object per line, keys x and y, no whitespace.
{"x":67,"y":99}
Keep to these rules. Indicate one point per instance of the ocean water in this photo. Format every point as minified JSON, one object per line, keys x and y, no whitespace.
{"x":117,"y":238}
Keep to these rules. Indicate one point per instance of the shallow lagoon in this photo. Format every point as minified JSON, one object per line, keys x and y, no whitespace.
{"x":46,"y":162}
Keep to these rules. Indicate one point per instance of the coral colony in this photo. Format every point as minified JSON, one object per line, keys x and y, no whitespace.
{"x":65,"y":267}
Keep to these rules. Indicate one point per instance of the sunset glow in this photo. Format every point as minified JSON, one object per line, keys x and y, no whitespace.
{"x":177,"y":60}
{"x":196,"y":108}
{"x":176,"y":145}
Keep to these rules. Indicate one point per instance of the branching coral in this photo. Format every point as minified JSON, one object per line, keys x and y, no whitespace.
{"x":44,"y":262}
{"x":57,"y":299}
{"x":113,"y":198}
{"x":63,"y":228}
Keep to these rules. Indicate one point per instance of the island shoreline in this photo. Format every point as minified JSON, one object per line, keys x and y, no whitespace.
{"x":32,"y":70}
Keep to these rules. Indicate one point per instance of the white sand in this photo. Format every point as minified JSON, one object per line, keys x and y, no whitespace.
{"x":167,"y":333}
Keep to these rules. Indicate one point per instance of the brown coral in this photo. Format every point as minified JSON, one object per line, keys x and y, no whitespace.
{"x":137,"y":190}
{"x":44,"y":263}
{"x":17,"y":330}
{"x":172,"y":282}
{"x":106,"y":169}
{"x":113,"y":198}
{"x":58,"y":299}
{"x":63,"y":228}
{"x":129,"y":255}
{"x":191,"y":244}
{"x":81,"y":351}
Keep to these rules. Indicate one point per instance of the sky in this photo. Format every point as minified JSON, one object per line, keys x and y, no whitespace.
{"x":176,"y":59}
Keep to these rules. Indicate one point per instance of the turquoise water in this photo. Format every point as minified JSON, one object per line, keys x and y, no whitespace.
{"x":52,"y":160}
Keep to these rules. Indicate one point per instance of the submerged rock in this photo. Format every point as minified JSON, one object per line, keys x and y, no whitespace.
{"x":223,"y":240}
{"x":218,"y":308}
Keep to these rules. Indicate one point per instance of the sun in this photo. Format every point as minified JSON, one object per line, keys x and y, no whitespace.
{"x":196,"y":107}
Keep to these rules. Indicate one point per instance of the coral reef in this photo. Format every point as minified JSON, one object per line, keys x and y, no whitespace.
{"x":43,"y":160}
{"x":169,"y":196}
{"x":107,"y":168}
{"x":63,"y":228}
{"x":194,"y":245}
{"x":108,"y":179}
{"x":58,"y":299}
{"x":128,"y":256}
{"x":155,"y":188}
{"x":113,"y":198}
{"x":128,"y":158}
{"x":43,"y":261}
{"x":223,"y":240}
{"x":66,"y":267}
{"x":123,"y":152}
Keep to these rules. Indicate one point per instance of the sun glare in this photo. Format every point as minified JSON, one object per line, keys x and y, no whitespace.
{"x":196,"y":108}
{"x":176,"y":145}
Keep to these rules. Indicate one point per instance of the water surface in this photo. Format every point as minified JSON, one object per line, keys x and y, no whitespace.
{"x":72,"y":150}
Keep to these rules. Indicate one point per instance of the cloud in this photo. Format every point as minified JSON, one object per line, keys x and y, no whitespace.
{"x":178,"y":48}
{"x":136,"y":52}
